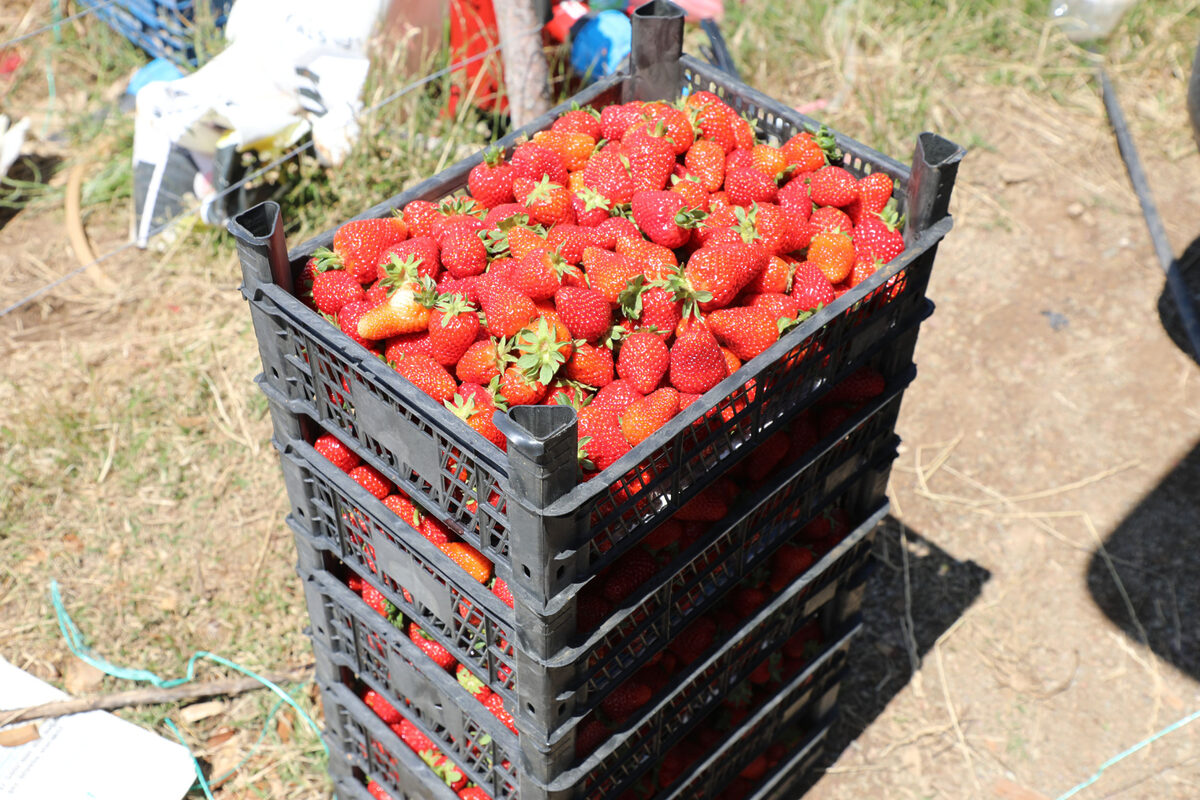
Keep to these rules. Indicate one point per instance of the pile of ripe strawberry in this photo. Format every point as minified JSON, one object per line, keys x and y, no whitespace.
{"x":623,"y":262}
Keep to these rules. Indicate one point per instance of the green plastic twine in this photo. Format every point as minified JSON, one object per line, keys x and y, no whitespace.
{"x":1190,"y":718}
{"x":77,"y":644}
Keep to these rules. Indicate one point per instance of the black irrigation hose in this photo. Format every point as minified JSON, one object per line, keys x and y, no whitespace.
{"x":1158,"y":234}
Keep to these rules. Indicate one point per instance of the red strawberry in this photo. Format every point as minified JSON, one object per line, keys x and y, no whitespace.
{"x":625,"y":700}
{"x":403,"y":507}
{"x":776,"y":277}
{"x":471,"y":560}
{"x":810,"y":287}
{"x":694,"y":640}
{"x":382,"y":708}
{"x":651,"y":162}
{"x":589,"y":365}
{"x":705,"y":162}
{"x":616,"y":119}
{"x":609,"y":273}
{"x":533,"y":161}
{"x":439,"y":654}
{"x":586,"y":312}
{"x":501,"y":590}
{"x":715,"y":122}
{"x":336,"y":452}
{"x":746,"y":601}
{"x":865,"y":384}
{"x":600,"y":436}
{"x":607,"y":174}
{"x":370,"y":479}
{"x":810,"y":151}
{"x":357,"y":245}
{"x":420,"y":216}
{"x":453,"y":327}
{"x":518,"y":389}
{"x":767,"y":456}
{"x":608,"y":232}
{"x":375,"y":599}
{"x":568,"y":241}
{"x":429,"y":376}
{"x":377,"y":791}
{"x":833,"y":186}
{"x":793,"y":196}
{"x":334,"y":288}
{"x":745,"y":331}
{"x":349,"y":317}
{"x":746,"y":185}
{"x":697,"y":364}
{"x":874,"y":192}
{"x":710,"y":505}
{"x":780,"y":306}
{"x":490,"y":182}
{"x":463,"y":253}
{"x":664,"y":217}
{"x":675,"y":124}
{"x":548,"y":203}
{"x":541,"y":273}
{"x":658,"y":261}
{"x":715,"y":274}
{"x":875,"y":238}
{"x":788,"y":563}
{"x":422,"y":253}
{"x":833,"y":254}
{"x":473,"y":793}
{"x":480,"y":417}
{"x":591,"y":735}
{"x":579,"y":120}
{"x":591,"y":208}
{"x":411,"y":735}
{"x":506,"y":309}
{"x":503,"y":212}
{"x":643,"y":360}
{"x":829,"y":524}
{"x":831,"y":220}
{"x":647,"y":415}
{"x":495,"y":704}
{"x":615,"y":398}
{"x":433,"y":530}
{"x":653,"y":307}
{"x":480,"y":363}
{"x":573,"y":148}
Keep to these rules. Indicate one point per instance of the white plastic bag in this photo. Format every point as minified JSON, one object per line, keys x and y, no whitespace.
{"x":1085,"y":20}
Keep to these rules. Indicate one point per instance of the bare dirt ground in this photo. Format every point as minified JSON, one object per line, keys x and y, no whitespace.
{"x":1039,"y":567}
{"x":1051,"y":447}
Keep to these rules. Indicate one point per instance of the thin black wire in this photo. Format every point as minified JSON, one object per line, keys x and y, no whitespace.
{"x":242,"y":182}
{"x":53,"y":25}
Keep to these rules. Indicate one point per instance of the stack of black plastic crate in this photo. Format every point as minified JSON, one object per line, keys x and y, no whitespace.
{"x":548,"y":535}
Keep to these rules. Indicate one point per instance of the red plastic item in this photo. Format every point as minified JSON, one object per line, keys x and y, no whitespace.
{"x":472,"y":31}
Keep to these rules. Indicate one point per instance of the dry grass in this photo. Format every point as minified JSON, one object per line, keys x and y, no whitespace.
{"x":135,"y":463}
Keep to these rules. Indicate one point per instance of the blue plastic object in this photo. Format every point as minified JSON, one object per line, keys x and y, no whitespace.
{"x":602,"y":44}
{"x":160,"y":69}
{"x":163,"y":28}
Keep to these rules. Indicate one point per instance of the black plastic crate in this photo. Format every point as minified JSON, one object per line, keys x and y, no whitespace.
{"x":351,"y":639}
{"x":850,"y":466}
{"x":547,"y":532}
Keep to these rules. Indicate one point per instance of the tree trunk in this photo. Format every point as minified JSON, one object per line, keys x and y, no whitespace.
{"x":526,"y":76}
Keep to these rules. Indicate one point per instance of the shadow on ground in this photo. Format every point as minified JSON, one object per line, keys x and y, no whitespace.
{"x":1188,"y":268}
{"x":1155,"y":553}
{"x":941,"y":588}
{"x":26,"y":175}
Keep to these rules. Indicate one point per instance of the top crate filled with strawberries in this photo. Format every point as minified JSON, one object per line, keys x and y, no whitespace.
{"x":555,"y":344}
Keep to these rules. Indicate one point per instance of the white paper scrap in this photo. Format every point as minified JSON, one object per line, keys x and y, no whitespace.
{"x":90,"y":756}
